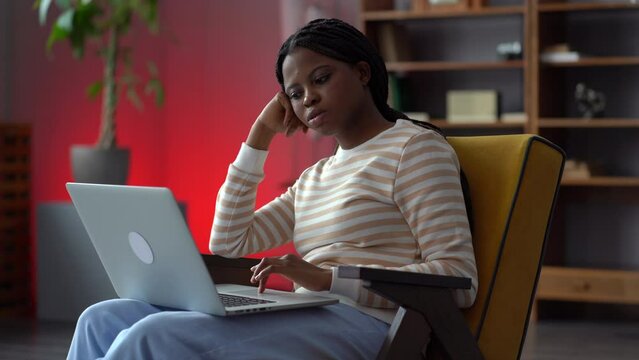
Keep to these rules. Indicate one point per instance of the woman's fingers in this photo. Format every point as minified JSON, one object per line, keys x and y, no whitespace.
{"x":264,"y":273}
{"x":262,"y":286}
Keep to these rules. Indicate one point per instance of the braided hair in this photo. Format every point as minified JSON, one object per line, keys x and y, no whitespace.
{"x":341,"y":41}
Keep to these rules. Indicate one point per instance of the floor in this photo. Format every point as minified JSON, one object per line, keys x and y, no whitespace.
{"x":22,"y":340}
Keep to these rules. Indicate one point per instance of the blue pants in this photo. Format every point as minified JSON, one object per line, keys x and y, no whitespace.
{"x":131,"y":329}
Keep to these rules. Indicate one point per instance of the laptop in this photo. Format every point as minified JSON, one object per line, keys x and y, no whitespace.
{"x":148,"y":252}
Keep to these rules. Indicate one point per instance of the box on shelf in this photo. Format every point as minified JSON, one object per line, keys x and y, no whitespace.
{"x":471,"y":106}
{"x":418,"y":116}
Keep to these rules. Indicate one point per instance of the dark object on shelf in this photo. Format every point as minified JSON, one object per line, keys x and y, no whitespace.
{"x":509,"y":51}
{"x":590,"y":103}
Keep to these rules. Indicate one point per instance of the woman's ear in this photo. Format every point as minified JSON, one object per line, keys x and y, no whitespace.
{"x":363,"y":70}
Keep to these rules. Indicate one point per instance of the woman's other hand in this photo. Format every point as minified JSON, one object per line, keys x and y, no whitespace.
{"x":295,"y":269}
{"x":279,"y":117}
{"x":276,"y":117}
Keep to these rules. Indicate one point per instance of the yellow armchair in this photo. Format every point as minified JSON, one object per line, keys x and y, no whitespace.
{"x":513,"y":181}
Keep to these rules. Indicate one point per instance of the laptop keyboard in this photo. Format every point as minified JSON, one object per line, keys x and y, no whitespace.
{"x":235,"y":300}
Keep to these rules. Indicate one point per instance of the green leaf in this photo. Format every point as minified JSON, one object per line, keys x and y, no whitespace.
{"x":56,"y":35}
{"x":63,"y":4}
{"x":95,"y":89}
{"x":43,"y":9}
{"x":154,"y":86}
{"x":134,"y":98}
{"x":65,"y":20}
{"x":83,"y":26}
{"x":147,"y":10}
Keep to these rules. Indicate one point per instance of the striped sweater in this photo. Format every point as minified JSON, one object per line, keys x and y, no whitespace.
{"x":393,"y":202}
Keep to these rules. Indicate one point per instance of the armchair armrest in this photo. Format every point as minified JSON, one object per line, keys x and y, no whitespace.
{"x":403,"y":277}
{"x":427,"y":309}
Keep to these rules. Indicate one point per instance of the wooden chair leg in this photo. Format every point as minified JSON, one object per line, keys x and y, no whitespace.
{"x":439,"y":311}
{"x":407,"y":337}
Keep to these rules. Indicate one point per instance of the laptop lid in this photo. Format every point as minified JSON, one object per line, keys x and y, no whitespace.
{"x":149,"y":254}
{"x":145,"y":245}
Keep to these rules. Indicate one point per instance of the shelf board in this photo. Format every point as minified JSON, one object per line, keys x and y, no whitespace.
{"x":390,"y":15}
{"x":558,"y":7}
{"x":497,"y":125}
{"x":597,"y":61}
{"x":453,"y":65}
{"x":588,"y":123}
{"x":589,"y":285}
{"x":603,"y":181}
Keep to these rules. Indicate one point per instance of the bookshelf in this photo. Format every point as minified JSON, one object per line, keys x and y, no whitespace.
{"x":463,"y":55}
{"x":455,"y":48}
{"x":587,"y":263}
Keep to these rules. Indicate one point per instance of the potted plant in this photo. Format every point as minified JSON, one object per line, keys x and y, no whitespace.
{"x":105,"y":22}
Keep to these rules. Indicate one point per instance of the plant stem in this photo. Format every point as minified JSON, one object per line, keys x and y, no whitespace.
{"x":109,"y":97}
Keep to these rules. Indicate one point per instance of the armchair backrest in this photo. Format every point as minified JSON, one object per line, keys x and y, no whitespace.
{"x":513,"y":182}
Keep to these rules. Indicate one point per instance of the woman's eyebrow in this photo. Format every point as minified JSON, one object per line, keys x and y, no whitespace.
{"x":317,"y":68}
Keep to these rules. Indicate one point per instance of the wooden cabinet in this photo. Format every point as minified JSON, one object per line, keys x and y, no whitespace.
{"x":15,"y":271}
{"x":593,"y":250}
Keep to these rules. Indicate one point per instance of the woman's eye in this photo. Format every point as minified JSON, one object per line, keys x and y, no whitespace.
{"x":294,"y":96}
{"x":322,"y":79}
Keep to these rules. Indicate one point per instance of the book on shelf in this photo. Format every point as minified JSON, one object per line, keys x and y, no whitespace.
{"x":393,"y":42}
{"x":396,"y":91}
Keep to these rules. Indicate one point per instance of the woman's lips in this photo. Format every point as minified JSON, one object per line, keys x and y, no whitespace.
{"x":317,"y":120}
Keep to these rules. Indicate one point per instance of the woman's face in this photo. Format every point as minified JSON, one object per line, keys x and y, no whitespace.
{"x":326,"y":94}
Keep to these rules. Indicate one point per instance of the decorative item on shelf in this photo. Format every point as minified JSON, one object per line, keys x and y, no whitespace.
{"x":472,"y":106}
{"x":574,"y":169}
{"x":509,"y":51}
{"x":559,"y":53}
{"x":105,"y":22}
{"x":513,"y":118}
{"x":590,"y":103}
{"x":579,"y":169}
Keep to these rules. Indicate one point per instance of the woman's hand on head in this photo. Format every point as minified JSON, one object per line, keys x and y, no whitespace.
{"x":295,"y":269}
{"x":279,"y":117}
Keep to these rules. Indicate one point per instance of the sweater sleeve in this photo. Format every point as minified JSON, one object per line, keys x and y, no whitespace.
{"x":428,"y":193}
{"x":238,"y":229}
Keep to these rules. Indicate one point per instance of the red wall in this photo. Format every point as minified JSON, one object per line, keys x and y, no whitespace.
{"x":216,"y":60}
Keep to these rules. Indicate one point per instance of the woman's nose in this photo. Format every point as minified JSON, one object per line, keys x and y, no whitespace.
{"x":310,"y":98}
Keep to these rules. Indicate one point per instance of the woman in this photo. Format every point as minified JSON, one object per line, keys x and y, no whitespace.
{"x":389,"y":198}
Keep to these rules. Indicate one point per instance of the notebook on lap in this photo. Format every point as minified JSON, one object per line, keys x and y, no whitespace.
{"x":148,"y":253}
